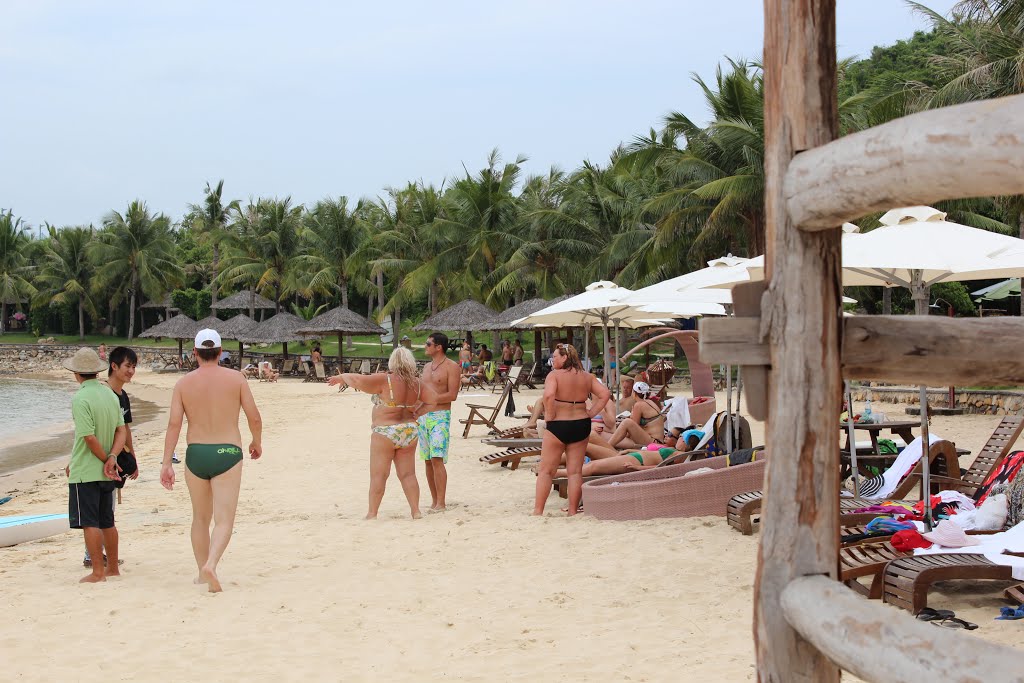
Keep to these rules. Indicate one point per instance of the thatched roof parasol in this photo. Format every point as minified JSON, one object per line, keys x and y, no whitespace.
{"x":241,"y":300}
{"x":341,"y":321}
{"x":179,"y":327}
{"x":468,"y":315}
{"x":283,"y":328}
{"x":211,"y":322}
{"x":237,"y":326}
{"x":164,"y":304}
{"x":528,"y":307}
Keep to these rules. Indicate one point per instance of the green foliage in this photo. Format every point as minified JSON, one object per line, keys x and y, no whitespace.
{"x":957,"y":294}
{"x":193,"y":303}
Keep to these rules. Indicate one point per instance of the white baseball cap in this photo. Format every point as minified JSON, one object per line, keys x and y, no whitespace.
{"x":208,"y":335}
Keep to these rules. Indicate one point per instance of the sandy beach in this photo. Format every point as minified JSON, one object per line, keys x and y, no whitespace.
{"x":482,"y":592}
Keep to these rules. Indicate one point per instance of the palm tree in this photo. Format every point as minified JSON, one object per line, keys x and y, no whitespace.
{"x":135,"y":248}
{"x":209,"y":220}
{"x":263,"y":249}
{"x":14,"y":266}
{"x":65,"y":273}
{"x":331,"y":236}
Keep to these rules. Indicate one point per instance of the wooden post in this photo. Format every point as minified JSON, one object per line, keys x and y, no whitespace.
{"x":800,"y":316}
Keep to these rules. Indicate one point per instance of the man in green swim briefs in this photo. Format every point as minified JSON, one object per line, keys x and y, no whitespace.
{"x":211,"y":397}
{"x":435,"y":419}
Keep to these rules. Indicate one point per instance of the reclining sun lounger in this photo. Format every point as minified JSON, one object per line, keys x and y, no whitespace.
{"x":669,"y":492}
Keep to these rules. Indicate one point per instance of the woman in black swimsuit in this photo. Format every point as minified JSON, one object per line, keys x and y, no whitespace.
{"x":566,"y":390}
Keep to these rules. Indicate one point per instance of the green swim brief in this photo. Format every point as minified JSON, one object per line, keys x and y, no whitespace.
{"x":207,"y":460}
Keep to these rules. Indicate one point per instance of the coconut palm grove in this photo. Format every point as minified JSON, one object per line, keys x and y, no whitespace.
{"x":688,"y":190}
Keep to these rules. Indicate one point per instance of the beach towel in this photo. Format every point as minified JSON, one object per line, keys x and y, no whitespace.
{"x":678,"y":413}
{"x":904,"y":463}
{"x":1004,"y":474}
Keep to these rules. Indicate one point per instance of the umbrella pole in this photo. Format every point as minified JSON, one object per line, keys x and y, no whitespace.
{"x":285,"y":350}
{"x":852,"y":439}
{"x":728,"y":409}
{"x":586,"y":342}
{"x":604,"y":353}
{"x":618,"y":384}
{"x":241,"y":358}
{"x":341,"y":350}
{"x":180,"y":353}
{"x":919,"y":292}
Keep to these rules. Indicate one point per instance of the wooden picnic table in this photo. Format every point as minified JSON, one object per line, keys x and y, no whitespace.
{"x":874,"y":458}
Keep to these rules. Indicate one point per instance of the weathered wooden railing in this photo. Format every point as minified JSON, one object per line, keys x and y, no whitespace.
{"x":795,"y":344}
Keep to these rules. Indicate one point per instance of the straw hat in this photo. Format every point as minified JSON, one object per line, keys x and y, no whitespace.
{"x":949,"y":534}
{"x":85,"y":362}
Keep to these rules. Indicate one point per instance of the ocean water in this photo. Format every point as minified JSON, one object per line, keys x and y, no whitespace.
{"x":30,"y":406}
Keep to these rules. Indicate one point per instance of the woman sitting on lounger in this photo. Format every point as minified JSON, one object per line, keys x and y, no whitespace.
{"x":397,"y":395}
{"x":645,"y":423}
{"x":567,"y":424}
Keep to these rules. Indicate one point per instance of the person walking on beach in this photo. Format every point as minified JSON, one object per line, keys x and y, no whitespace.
{"x":567,"y":424}
{"x":397,"y":395}
{"x":465,"y":357}
{"x":517,"y":352}
{"x":210,"y":397}
{"x":92,"y":473}
{"x":435,"y":419}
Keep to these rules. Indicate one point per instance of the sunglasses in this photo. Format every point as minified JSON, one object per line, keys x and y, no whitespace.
{"x":429,"y":343}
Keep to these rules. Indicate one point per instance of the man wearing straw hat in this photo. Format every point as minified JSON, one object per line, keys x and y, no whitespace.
{"x":211,"y":397}
{"x":99,"y":437}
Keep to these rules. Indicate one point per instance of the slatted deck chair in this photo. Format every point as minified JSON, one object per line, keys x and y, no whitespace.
{"x":743,"y":508}
{"x":306,"y":370}
{"x":510,"y":457}
{"x":526,"y":379}
{"x":288,"y":367}
{"x":512,"y":377}
{"x":907,"y":579}
{"x":561,"y":484}
{"x":485,"y":415}
{"x":510,"y":433}
{"x":319,"y":373}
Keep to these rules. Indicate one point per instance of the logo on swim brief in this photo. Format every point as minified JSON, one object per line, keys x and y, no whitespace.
{"x":233,"y":450}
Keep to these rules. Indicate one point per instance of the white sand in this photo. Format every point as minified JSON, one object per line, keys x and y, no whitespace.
{"x":483,"y":592}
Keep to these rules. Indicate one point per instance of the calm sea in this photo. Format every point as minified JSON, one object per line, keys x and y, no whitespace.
{"x":28,"y":405}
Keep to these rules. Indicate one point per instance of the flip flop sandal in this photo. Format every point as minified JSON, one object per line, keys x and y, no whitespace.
{"x":1011,"y":613}
{"x":929,"y":614}
{"x":954,"y":622}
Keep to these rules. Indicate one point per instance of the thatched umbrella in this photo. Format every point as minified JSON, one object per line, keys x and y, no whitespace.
{"x":462,"y":316}
{"x":164,"y":303}
{"x":235,"y":327}
{"x":245,"y":301}
{"x":283,"y":328}
{"x":505,"y":319}
{"x":340,"y":321}
{"x":179,"y":327}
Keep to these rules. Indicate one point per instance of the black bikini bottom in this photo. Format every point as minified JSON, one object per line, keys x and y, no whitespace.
{"x":570,"y":431}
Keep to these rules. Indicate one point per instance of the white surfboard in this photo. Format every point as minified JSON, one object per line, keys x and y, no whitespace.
{"x":19,"y":529}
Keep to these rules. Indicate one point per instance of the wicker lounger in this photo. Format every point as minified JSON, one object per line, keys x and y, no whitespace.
{"x":666,"y":492}
{"x":561,"y":484}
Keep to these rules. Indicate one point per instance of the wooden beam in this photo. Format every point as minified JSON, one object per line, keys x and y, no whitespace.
{"x":800,"y":317}
{"x":877,"y":643}
{"x":895,"y":348}
{"x":970,"y":150}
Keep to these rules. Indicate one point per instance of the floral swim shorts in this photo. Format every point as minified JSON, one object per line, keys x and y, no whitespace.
{"x":435,"y":431}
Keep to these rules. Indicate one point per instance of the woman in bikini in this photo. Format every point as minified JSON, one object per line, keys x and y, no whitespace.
{"x":396,"y":395}
{"x":465,"y":356}
{"x":645,"y":424}
{"x":643,"y":459}
{"x":566,"y":390}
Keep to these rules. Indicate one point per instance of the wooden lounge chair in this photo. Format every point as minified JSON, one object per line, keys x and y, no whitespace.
{"x":319,"y":373}
{"x":512,"y":377}
{"x":288,"y":367}
{"x":907,"y":579}
{"x":745,"y":506}
{"x":485,"y":415}
{"x":526,"y":378}
{"x":510,"y":457}
{"x":511,"y":433}
{"x":306,"y":370}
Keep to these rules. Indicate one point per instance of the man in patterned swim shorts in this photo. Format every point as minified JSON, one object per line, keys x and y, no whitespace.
{"x":435,"y":419}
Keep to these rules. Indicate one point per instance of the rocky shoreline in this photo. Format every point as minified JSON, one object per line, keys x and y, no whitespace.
{"x":22,"y":359}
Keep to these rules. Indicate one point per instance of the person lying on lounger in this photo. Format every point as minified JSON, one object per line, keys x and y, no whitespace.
{"x":643,"y":459}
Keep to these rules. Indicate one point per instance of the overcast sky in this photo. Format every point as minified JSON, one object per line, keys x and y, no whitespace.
{"x":105,"y":101}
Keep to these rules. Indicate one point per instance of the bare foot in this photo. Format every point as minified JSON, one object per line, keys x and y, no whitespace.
{"x":198,"y":580}
{"x":438,"y":508}
{"x":92,"y":578}
{"x":210,"y":578}
{"x":113,"y":572}
{"x":369,"y":516}
{"x":416,"y":515}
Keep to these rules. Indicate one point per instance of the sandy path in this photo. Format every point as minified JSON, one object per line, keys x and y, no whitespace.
{"x":482,"y":592}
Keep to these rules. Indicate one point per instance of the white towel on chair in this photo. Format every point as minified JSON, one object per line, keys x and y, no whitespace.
{"x":678,"y":413}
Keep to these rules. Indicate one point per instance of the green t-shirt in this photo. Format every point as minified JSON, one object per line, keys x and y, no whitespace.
{"x":96,"y":412}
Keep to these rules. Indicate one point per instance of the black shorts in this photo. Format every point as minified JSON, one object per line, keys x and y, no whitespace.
{"x":91,"y":505}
